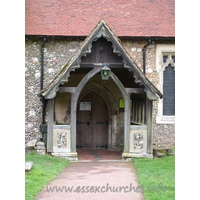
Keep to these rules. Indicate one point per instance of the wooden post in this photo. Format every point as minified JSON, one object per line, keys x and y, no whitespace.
{"x":143,"y":111}
{"x":127,"y":123}
{"x":50,"y":125}
{"x":73,"y":123}
{"x":139,"y":111}
{"x":136,"y":110}
{"x":149,"y":125}
{"x":133,"y":110}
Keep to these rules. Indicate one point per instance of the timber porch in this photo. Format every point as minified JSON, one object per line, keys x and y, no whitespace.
{"x":85,"y":112}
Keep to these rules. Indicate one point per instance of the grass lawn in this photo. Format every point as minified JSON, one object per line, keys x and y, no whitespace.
{"x":152,"y":172}
{"x":45,"y":168}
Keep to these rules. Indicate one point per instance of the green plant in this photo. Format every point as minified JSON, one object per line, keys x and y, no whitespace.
{"x":45,"y":168}
{"x":152,"y":172}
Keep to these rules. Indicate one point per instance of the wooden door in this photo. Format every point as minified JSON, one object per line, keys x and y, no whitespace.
{"x":92,"y":122}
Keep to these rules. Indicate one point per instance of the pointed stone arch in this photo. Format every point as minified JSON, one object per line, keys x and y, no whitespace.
{"x":104,"y":93}
{"x":74,"y":101}
{"x":111,"y":103}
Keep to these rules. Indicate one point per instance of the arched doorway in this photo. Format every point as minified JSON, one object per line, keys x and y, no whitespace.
{"x":92,"y":123}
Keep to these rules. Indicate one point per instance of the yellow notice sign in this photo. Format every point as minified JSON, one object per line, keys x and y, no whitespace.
{"x":121,"y":103}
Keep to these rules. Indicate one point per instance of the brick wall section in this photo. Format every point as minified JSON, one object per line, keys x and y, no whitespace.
{"x":56,"y":54}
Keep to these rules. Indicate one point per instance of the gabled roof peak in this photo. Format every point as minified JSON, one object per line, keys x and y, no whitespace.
{"x":100,"y":30}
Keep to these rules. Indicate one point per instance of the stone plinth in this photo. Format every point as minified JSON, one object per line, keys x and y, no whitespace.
{"x":40,"y":148}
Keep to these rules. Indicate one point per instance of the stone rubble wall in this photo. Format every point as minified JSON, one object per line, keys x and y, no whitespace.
{"x":56,"y":54}
{"x":163,"y":134}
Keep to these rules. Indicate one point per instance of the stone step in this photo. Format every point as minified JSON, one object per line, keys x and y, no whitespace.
{"x":171,"y":154}
{"x":157,"y":152}
{"x":161,"y":152}
{"x":160,"y":155}
{"x":170,"y":150}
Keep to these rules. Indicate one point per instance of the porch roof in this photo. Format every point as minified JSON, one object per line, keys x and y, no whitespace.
{"x":101,"y":30}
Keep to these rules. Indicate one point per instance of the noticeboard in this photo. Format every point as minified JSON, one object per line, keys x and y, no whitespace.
{"x":85,"y":106}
